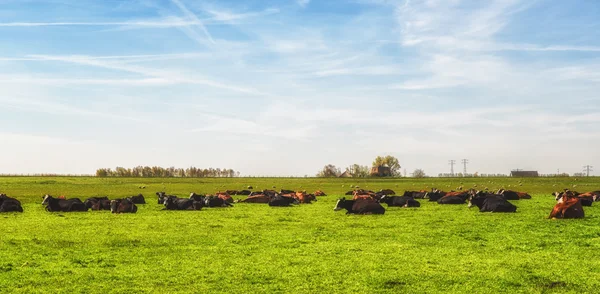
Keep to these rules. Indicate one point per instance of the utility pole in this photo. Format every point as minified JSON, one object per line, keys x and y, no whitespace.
{"x":464,"y":162}
{"x":587,"y":169}
{"x":452,"y":162}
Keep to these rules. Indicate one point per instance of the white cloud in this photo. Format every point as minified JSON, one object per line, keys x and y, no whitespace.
{"x":303,"y":3}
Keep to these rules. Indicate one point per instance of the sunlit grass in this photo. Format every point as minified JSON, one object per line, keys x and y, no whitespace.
{"x":301,"y":249}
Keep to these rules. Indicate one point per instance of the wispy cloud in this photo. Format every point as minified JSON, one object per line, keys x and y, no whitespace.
{"x":190,"y":29}
{"x":165,"y":76}
{"x":303,"y":3}
{"x":231,"y":17}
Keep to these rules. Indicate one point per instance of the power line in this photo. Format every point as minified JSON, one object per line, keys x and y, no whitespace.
{"x":464,"y":162}
{"x":587,"y":169}
{"x":452,"y":162}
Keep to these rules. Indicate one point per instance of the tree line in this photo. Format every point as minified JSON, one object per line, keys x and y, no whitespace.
{"x":170,"y":172}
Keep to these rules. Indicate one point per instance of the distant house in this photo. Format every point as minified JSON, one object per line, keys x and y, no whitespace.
{"x":524,"y":173}
{"x":345,"y":174}
{"x":381,"y":171}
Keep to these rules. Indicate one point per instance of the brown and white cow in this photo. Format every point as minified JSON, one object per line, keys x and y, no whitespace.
{"x":568,"y":206}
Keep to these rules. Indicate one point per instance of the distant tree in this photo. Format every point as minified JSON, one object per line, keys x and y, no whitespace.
{"x":419,"y":173}
{"x":358,"y":171}
{"x":157,"y":171}
{"x":389,"y":161}
{"x":102,"y":172}
{"x":329,"y":171}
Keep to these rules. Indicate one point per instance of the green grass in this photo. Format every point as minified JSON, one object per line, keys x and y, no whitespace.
{"x":253,"y":248}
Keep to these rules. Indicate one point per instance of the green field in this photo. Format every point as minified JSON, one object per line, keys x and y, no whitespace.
{"x":253,"y":248}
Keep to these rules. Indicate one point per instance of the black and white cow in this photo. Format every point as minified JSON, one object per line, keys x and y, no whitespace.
{"x":359,"y":206}
{"x":214,"y":201}
{"x":64,"y":205}
{"x":491,"y":203}
{"x":279,"y":200}
{"x":174,"y":203}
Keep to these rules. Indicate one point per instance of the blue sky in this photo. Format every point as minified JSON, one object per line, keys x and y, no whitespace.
{"x":284,"y":87}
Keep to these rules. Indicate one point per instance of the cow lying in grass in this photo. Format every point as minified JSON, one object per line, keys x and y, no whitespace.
{"x":568,"y":206}
{"x":162,"y":196}
{"x":97,"y":203}
{"x":280,"y":200}
{"x":491,"y":203}
{"x":260,"y":198}
{"x":64,"y":205}
{"x":454,"y":198}
{"x":122,"y":206}
{"x":8,"y":204}
{"x":175,"y":203}
{"x":360,"y":206}
{"x":513,"y":195}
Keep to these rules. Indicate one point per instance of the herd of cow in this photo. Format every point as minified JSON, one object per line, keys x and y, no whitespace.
{"x":569,"y":203}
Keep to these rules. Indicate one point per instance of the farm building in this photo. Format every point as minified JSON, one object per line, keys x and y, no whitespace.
{"x":345,"y":174}
{"x":381,"y":171}
{"x":524,"y":173}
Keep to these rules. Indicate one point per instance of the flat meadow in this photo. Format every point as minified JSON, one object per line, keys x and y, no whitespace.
{"x":309,"y":248}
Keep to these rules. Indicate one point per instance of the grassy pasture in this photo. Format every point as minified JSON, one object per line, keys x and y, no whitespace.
{"x":303,"y":249}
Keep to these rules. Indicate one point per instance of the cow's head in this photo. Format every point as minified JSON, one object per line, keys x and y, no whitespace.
{"x":161,"y":197}
{"x":45,"y":199}
{"x":557,"y":195}
{"x":114,"y":205}
{"x":340,"y":204}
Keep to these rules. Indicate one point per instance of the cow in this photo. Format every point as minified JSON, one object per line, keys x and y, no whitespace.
{"x":454,"y":198}
{"x":245,"y":192}
{"x":175,"y":203}
{"x":214,"y":201}
{"x":259,"y":198}
{"x":97,"y":203}
{"x":491,"y":203}
{"x":122,"y":206}
{"x":64,"y":205}
{"x":138,"y":199}
{"x":232,"y":192}
{"x":162,"y":196}
{"x":283,"y":191}
{"x":197,"y":197}
{"x":403,"y":201}
{"x":283,"y":201}
{"x":103,"y":204}
{"x":8,"y":204}
{"x":513,"y":195}
{"x":416,"y":194}
{"x":304,"y":198}
{"x":360,"y":206}
{"x":320,"y":193}
{"x":435,"y":195}
{"x":569,"y":206}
